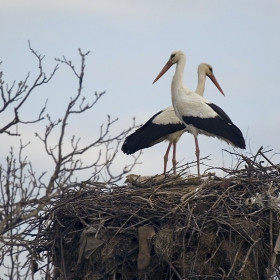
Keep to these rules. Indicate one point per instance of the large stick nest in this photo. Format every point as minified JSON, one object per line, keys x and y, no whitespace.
{"x":168,"y":227}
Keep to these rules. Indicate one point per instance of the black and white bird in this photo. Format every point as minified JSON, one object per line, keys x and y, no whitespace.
{"x":198,"y":114}
{"x":165,"y":125}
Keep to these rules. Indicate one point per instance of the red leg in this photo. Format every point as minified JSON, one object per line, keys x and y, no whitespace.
{"x":174,"y":158}
{"x":197,"y":152}
{"x":166,"y":157}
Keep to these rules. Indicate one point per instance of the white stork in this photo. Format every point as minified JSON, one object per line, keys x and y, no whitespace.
{"x":165,"y":125}
{"x":198,"y":114}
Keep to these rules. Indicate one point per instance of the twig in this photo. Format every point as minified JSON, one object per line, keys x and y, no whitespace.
{"x":247,"y":255}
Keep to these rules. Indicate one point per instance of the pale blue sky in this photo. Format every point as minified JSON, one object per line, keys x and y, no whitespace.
{"x":130,"y":41}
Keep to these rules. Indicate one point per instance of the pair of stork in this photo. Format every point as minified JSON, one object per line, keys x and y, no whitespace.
{"x":190,"y":112}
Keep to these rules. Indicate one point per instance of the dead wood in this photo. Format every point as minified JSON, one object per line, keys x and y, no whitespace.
{"x":188,"y":227}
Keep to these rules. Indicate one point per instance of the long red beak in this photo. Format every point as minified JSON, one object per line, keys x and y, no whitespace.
{"x":214,"y":80}
{"x":164,"y":69}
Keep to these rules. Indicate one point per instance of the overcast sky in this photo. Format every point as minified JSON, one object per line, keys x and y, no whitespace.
{"x":130,"y":41}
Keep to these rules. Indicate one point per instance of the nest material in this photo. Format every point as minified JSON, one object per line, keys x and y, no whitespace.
{"x":168,"y":228}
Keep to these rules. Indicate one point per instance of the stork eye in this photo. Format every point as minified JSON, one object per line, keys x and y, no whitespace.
{"x":172,"y":55}
{"x":211,"y":69}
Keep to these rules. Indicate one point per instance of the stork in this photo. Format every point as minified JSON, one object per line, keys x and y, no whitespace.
{"x":165,"y":125}
{"x":199,"y":115}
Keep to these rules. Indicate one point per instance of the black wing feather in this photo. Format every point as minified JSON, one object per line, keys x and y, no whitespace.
{"x":220,"y":126}
{"x":148,"y":135}
{"x":220,"y":112}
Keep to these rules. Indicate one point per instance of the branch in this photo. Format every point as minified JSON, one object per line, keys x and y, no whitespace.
{"x":22,"y":94}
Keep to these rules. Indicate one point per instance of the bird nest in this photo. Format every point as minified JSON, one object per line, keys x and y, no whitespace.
{"x":169,"y":227}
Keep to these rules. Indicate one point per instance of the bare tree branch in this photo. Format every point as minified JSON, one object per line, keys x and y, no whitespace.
{"x":26,"y":195}
{"x":22,"y":94}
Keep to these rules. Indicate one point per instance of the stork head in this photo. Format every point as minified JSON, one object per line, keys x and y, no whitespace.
{"x":207,"y":70}
{"x":174,"y":58}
